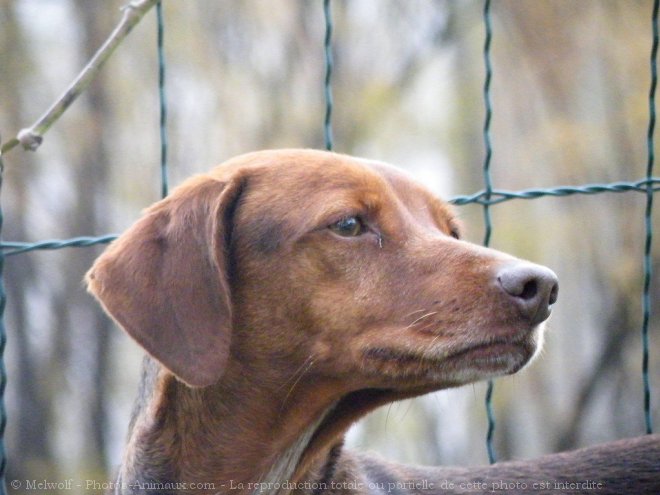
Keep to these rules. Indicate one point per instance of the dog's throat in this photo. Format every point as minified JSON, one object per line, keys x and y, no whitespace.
{"x":280,"y":478}
{"x":284,"y":475}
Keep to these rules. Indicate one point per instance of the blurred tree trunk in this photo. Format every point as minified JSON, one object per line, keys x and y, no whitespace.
{"x":88,"y":347}
{"x":28,"y":447}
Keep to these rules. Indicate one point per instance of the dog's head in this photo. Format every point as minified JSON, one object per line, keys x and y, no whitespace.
{"x":311,"y":259}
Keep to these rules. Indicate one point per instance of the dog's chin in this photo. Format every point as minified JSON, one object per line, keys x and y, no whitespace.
{"x":493,"y":359}
{"x":487,"y":361}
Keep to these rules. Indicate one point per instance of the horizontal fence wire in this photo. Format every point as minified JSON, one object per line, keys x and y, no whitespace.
{"x":13,"y":248}
{"x":496,"y":196}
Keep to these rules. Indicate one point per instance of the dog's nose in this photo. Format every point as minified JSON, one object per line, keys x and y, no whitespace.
{"x":533,"y":289}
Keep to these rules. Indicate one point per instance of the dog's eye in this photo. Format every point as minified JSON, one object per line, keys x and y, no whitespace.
{"x":349,"y":227}
{"x":455,"y":234}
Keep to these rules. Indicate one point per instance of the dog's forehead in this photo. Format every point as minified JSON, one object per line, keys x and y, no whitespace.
{"x":297,"y":177}
{"x":285,"y":181}
{"x":287,"y":192}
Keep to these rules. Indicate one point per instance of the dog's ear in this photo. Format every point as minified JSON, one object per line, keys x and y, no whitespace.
{"x":165,"y":280}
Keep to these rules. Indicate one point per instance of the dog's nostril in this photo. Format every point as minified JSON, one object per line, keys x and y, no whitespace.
{"x":554,"y":293}
{"x":529,"y":291}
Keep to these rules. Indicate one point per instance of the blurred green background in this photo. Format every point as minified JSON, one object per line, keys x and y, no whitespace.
{"x":569,"y":93}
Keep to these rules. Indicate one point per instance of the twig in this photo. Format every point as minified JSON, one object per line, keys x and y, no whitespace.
{"x":31,"y":137}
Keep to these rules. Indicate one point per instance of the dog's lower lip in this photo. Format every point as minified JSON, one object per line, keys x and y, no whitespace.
{"x":496,"y":357}
{"x":488,"y":351}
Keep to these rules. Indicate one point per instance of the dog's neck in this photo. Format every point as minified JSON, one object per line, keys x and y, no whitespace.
{"x":233,"y":440}
{"x":285,"y":467}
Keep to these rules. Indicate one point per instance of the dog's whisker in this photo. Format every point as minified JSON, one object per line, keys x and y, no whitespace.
{"x":310,"y":362}
{"x":429,"y":349}
{"x":387,"y":415}
{"x":405,"y":413}
{"x":294,"y":375}
{"x":421,"y":318}
{"x":414,"y":312}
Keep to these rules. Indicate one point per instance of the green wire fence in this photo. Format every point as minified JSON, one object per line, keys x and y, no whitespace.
{"x":488,"y":108}
{"x":487,"y":197}
{"x":3,"y":341}
{"x":648,"y":224}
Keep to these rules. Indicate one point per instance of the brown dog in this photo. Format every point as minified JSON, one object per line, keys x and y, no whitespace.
{"x":287,"y":293}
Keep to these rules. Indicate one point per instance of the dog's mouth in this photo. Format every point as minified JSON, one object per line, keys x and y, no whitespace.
{"x":468,"y":363}
{"x":498,"y":357}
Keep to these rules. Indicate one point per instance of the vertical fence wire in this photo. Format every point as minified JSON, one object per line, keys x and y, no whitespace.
{"x":488,"y":226}
{"x":3,"y":342}
{"x":329,"y":63}
{"x":648,"y":224}
{"x":162,"y":100}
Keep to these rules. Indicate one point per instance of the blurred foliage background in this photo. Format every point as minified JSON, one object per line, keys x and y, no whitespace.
{"x":570,"y":93}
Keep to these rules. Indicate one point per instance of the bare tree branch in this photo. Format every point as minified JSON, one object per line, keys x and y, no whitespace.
{"x":31,"y":137}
